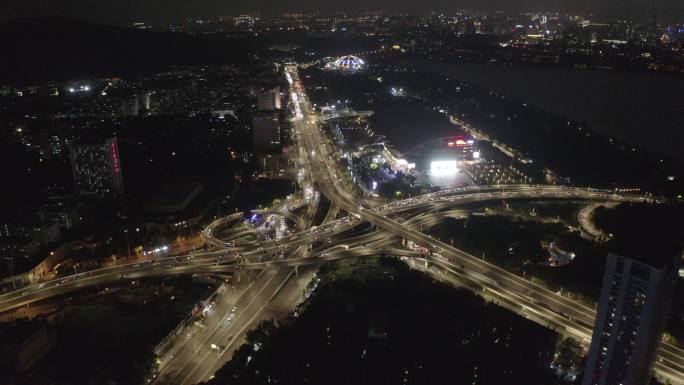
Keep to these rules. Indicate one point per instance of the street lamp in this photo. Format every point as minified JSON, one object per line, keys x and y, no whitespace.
{"x":128,"y":245}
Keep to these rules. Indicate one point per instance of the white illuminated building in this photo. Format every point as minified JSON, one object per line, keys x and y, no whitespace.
{"x":347,"y":63}
{"x":443,"y":168}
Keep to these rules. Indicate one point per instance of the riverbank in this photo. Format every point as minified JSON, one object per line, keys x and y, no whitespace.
{"x":645,"y":109}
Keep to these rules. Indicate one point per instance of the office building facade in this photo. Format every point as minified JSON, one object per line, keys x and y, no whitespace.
{"x":266,"y":131}
{"x":97,"y":169}
{"x":632,"y":310}
{"x":269,"y":100}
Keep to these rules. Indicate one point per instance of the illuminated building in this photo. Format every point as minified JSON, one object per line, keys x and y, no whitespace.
{"x":464,"y":146}
{"x":632,"y":310}
{"x":133,"y":105}
{"x":270,"y":163}
{"x":443,"y":167}
{"x":130,"y":106}
{"x":97,"y":168}
{"x":265,"y":131}
{"x":347,"y":63}
{"x":55,"y":145}
{"x":477,"y":25}
{"x":269,"y":100}
{"x":460,"y":142}
{"x":146,"y":101}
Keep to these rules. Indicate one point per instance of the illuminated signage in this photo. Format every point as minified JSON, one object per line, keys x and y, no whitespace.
{"x":443,"y":167}
{"x":460,"y":142}
{"x":115,"y":159}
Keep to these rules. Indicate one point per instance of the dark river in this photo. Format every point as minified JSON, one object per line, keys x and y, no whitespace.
{"x":645,"y":109}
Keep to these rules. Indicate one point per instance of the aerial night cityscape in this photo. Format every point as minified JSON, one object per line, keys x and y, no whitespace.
{"x":216,"y":192}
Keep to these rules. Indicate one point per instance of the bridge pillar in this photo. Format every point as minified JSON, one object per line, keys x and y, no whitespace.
{"x":426,"y":264}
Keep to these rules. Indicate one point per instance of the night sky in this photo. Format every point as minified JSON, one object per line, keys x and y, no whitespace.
{"x":125,"y":11}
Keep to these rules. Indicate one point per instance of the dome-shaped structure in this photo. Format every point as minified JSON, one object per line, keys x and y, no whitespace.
{"x":349,"y":63}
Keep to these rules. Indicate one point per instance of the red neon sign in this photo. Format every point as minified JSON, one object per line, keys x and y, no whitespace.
{"x":115,"y":158}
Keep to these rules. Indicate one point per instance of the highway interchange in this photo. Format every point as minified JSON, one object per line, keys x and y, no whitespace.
{"x":274,"y":291}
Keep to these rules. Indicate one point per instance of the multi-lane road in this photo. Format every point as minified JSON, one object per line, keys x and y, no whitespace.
{"x":224,"y":257}
{"x":194,"y":360}
{"x":547,"y":307}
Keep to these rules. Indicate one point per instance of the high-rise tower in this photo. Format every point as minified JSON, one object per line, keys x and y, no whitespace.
{"x":632,"y":311}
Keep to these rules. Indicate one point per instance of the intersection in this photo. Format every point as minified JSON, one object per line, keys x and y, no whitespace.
{"x":277,"y":284}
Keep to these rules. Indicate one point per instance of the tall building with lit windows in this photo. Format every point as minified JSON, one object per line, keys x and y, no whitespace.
{"x":269,"y":100}
{"x":632,"y":310}
{"x":97,"y":168}
{"x":266,"y":131}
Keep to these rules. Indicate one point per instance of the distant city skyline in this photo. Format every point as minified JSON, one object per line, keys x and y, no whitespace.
{"x":126,"y":11}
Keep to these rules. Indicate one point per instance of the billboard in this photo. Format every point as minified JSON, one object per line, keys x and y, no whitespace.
{"x":460,"y":141}
{"x":443,"y":167}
